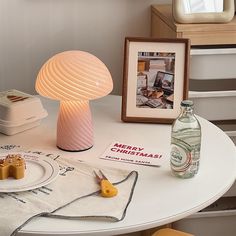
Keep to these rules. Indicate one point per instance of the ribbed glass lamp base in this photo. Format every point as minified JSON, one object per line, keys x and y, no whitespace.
{"x":74,"y":126}
{"x":75,"y":150}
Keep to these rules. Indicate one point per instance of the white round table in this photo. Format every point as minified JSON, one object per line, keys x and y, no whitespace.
{"x":159,"y":198}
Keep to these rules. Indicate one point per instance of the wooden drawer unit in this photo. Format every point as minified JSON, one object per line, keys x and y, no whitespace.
{"x":212,"y":61}
{"x":163,"y":26}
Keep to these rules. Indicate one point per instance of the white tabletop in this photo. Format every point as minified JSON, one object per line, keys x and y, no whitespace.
{"x":159,"y":198}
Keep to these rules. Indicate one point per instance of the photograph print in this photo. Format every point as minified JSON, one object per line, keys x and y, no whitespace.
{"x":155,"y":80}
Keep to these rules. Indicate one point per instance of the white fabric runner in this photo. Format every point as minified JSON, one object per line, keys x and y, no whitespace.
{"x":74,"y":194}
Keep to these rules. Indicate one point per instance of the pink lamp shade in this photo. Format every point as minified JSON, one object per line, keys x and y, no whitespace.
{"x":74,"y":78}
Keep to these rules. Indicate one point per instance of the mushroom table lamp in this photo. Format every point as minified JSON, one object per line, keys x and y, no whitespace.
{"x":74,"y":78}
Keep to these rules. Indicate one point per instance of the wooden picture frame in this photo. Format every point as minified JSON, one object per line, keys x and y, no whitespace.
{"x":181,"y":16}
{"x":155,"y":79}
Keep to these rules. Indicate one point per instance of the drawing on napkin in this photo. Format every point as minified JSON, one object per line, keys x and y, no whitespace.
{"x":53,"y":200}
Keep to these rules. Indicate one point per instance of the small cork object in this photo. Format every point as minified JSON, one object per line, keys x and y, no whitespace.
{"x":12,"y":166}
{"x":170,"y":232}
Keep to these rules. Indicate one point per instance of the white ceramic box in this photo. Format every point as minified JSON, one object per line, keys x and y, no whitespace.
{"x":19,"y":111}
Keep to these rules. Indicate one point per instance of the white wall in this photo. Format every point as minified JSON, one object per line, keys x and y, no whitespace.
{"x":31,"y":31}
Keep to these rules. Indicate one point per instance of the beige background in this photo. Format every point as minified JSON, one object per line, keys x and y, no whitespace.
{"x":31,"y":31}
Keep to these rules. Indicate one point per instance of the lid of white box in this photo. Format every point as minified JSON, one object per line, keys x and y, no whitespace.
{"x":17,"y":108}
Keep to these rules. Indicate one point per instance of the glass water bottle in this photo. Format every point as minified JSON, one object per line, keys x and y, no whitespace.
{"x":185,"y":142}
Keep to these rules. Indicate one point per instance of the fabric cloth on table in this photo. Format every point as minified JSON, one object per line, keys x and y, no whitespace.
{"x":73,"y":195}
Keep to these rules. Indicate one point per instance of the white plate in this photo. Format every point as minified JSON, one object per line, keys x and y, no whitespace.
{"x":40,"y":171}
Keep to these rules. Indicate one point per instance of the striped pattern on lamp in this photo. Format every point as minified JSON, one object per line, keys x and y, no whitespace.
{"x":74,"y":78}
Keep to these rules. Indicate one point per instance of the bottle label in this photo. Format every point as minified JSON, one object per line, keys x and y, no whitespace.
{"x":180,"y":158}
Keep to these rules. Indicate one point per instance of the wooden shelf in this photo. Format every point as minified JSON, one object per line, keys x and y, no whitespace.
{"x":164,"y":26}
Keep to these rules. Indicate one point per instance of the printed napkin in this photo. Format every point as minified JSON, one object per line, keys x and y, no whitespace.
{"x":74,"y":194}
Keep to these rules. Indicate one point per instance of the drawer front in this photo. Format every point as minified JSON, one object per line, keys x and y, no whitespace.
{"x":217,"y":219}
{"x":213,"y":63}
{"x":217,"y":105}
{"x":210,"y":38}
{"x":213,"y":224}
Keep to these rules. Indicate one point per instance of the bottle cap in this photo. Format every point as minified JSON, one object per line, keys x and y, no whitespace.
{"x":187,"y":103}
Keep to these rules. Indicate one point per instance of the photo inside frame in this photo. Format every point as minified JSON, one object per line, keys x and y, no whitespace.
{"x":155,"y":80}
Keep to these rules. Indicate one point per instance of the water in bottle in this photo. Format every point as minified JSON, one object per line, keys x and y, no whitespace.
{"x":185,"y":142}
